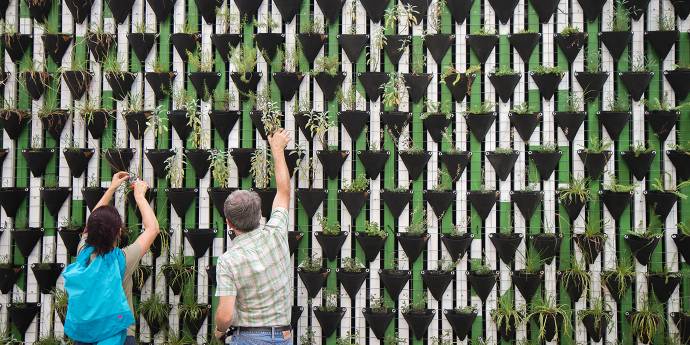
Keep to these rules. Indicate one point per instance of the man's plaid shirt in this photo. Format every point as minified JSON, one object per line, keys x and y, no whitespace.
{"x":256,"y":269}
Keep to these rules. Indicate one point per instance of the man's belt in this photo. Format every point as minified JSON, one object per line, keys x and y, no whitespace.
{"x":242,"y":329}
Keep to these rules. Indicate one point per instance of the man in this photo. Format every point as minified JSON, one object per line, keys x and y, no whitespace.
{"x":253,"y":276}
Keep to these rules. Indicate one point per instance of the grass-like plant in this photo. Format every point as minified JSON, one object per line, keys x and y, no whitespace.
{"x":506,"y":315}
{"x":577,"y":275}
{"x":545,"y":311}
{"x":578,"y":189}
{"x":645,"y":322}
{"x":155,"y":310}
{"x":220,"y":170}
{"x":174,"y":169}
{"x":261,"y":167}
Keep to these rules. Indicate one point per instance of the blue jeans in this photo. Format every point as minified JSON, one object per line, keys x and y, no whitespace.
{"x":261,"y":338}
{"x":129,"y":341}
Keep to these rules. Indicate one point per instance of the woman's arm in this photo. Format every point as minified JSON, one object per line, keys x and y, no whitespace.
{"x":148,"y":217}
{"x":118,"y":178}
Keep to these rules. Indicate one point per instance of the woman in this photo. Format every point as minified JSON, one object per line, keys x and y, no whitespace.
{"x":102,"y":234}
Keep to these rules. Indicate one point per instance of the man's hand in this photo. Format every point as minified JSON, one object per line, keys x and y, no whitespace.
{"x":220,"y":335}
{"x":139,"y":188}
{"x":278,"y":140}
{"x":118,"y":179}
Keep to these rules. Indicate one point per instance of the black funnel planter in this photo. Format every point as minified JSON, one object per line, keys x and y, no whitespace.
{"x":455,"y":162}
{"x":459,"y":9}
{"x":682,"y":322}
{"x":547,"y":245}
{"x":172,"y":280}
{"x":207,"y":8}
{"x":682,"y":8}
{"x":353,"y":201}
{"x":353,"y":45}
{"x":14,"y":121}
{"x":248,"y":8}
{"x":594,"y":162}
{"x":218,"y":196}
{"x":590,"y":246}
{"x":437,"y":282}
{"x":354,"y":122}
{"x":70,"y":239}
{"x":38,"y":10}
{"x":160,"y":83}
{"x":527,"y":202}
{"x":3,"y":155}
{"x":311,"y":199}
{"x":373,"y":161}
{"x":36,"y":83}
{"x":505,"y":85}
{"x":420,"y":6}
{"x":331,"y":245}
{"x":419,"y":322}
{"x":438,"y":45}
{"x":457,"y":246}
{"x":294,"y":238}
{"x":571,"y":44}
{"x":524,"y":43}
{"x":141,"y":43}
{"x":46,"y":275}
{"x":483,"y":201}
{"x":55,"y":45}
{"x":482,"y":45}
{"x":436,"y":124}
{"x":119,"y":158}
{"x":99,"y":120}
{"x":639,"y":164}
{"x":205,"y":82}
{"x":636,"y":83}
{"x":200,"y":159}
{"x":242,"y":158}
{"x":545,"y":9}
{"x":395,"y":121}
{"x":120,"y":9}
{"x":161,"y":8}
{"x":678,"y":79}
{"x":288,"y":83}
{"x":185,"y":43}
{"x":394,"y":281}
{"x":8,"y":276}
{"x":329,"y":320}
{"x":613,"y":285}
{"x":574,"y":286}
{"x":246,"y":84}
{"x":527,"y":283}
{"x":288,"y":9}
{"x":482,"y":284}
{"x":292,"y":158}
{"x":256,"y":116}
{"x":503,"y":163}
{"x":661,"y":202}
{"x":54,"y":122}
{"x":77,"y":160}
{"x":504,"y":9}
{"x":37,"y":159}
{"x":591,"y":83}
{"x":201,"y":240}
{"x":439,"y":200}
{"x":372,"y":83}
{"x":547,"y":83}
{"x":332,"y":161}
{"x":616,"y":42}
{"x":157,"y":245}
{"x":569,"y":122}
{"x":223,"y":43}
{"x":415,"y":163}
{"x":181,"y":199}
{"x":506,"y":331}
{"x":193,"y":325}
{"x":616,"y":202}
{"x":77,"y":82}
{"x":268,"y":43}
{"x":378,"y":322}
{"x":295,"y":314}
{"x":662,"y":122}
{"x":459,"y":85}
{"x":16,"y":45}
{"x":375,"y":10}
{"x":680,"y":160}
{"x":596,"y":329}
{"x":641,"y":247}
{"x":92,"y":195}
{"x":157,"y":159}
{"x":412,"y":245}
{"x":479,"y":124}
{"x":395,"y":47}
{"x":137,"y":122}
{"x":331,"y":9}
{"x":311,"y":43}
{"x":100,"y":45}
{"x":54,"y":198}
{"x":396,"y":201}
{"x":525,"y":124}
{"x":26,"y":239}
{"x":506,"y":245}
{"x":461,"y":322}
{"x":329,"y":84}
{"x":592,"y":8}
{"x":224,"y":121}
{"x":80,"y":9}
{"x":302,"y":120}
{"x":22,"y":314}
{"x":663,"y":285}
{"x":313,"y":281}
{"x":636,"y":9}
{"x":371,"y":245}
{"x":352,"y":281}
{"x":573,"y":207}
{"x":614,"y":122}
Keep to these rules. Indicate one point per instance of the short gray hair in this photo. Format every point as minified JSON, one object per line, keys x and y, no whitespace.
{"x":243,"y":209}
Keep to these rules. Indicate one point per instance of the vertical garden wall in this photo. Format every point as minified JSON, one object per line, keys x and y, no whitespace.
{"x":490,"y":171}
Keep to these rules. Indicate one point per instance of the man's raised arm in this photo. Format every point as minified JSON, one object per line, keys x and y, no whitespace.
{"x":278,"y":141}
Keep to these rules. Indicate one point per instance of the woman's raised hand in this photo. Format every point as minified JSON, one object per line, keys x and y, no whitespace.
{"x":118,"y":179}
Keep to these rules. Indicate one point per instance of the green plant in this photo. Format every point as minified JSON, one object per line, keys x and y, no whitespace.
{"x":154,"y":309}
{"x":190,"y":310}
{"x":597,"y":145}
{"x":466,"y":309}
{"x":577,"y":275}
{"x":308,"y":338}
{"x":547,"y":310}
{"x":379,"y":305}
{"x":348,"y":339}
{"x":60,"y":302}
{"x":623,"y":272}
{"x":545,"y":147}
{"x":533,"y":261}
{"x":541,"y":70}
{"x":504,"y":71}
{"x":620,"y":17}
{"x":485,"y":31}
{"x":658,"y":185}
{"x":327,"y":64}
{"x":641,"y":64}
{"x":667,"y":22}
{"x":574,"y":103}
{"x":352,"y":265}
{"x":220,"y":170}
{"x":311,"y":264}
{"x":505,"y":315}
{"x":620,"y":104}
{"x":593,"y":66}
{"x":373,"y":229}
{"x":330,"y":302}
{"x":577,"y":190}
{"x":244,"y":59}
{"x":318,"y":123}
{"x":112,"y":64}
{"x":394,"y":339}
{"x":358,"y":185}
{"x":419,"y":227}
{"x":48,"y":340}
{"x":418,"y":305}
{"x":479,"y":267}
{"x":503,"y":150}
{"x":641,"y":148}
{"x":185,"y":339}
{"x":391,"y":90}
{"x":201,"y":62}
{"x":645,"y":321}
{"x":483,"y":108}
{"x":446,"y":265}
{"x":598,"y":310}
{"x":570,"y":30}
{"x":522,"y":109}
{"x":261,"y":167}
{"x":156,"y":124}
{"x":174,"y":169}
{"x":614,"y":186}
{"x":329,"y":229}
{"x":142,"y":271}
{"x":403,"y":14}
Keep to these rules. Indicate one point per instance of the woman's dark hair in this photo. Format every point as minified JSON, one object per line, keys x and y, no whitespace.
{"x":103,"y":229}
